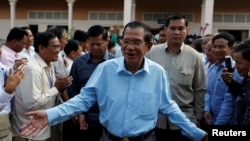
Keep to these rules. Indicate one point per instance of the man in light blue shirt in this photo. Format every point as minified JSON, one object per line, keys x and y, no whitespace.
{"x":219,"y":103}
{"x":130,"y":92}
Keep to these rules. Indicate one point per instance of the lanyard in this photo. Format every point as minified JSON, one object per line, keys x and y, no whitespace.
{"x":49,"y":73}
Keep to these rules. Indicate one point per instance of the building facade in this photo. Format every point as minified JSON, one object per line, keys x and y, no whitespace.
{"x":204,"y":16}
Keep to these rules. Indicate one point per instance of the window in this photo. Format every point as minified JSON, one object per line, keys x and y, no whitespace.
{"x":110,"y":16}
{"x":50,"y":15}
{"x":158,"y":16}
{"x":232,"y":17}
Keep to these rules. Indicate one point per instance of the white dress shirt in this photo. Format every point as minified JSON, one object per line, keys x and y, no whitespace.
{"x":34,"y":93}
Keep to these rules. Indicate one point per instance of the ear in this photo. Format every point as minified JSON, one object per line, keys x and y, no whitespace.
{"x":40,"y":48}
{"x":149,"y":45}
{"x":72,"y":54}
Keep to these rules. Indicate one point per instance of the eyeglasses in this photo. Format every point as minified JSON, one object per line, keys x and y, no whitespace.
{"x":136,"y":43}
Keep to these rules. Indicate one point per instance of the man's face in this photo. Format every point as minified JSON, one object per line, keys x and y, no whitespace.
{"x":51,"y":52}
{"x":221,"y":49}
{"x":97,"y":46}
{"x":209,"y":52}
{"x":133,"y":46}
{"x":176,"y":32}
{"x":205,"y":40}
{"x":162,"y":36}
{"x":30,"y":39}
{"x":19,"y":45}
{"x":64,"y":40}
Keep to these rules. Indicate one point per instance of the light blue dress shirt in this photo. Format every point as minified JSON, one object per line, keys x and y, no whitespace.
{"x":129,"y":103}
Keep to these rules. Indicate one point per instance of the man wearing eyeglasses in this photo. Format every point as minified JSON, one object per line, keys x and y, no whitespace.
{"x":39,"y":87}
{"x":129,"y":90}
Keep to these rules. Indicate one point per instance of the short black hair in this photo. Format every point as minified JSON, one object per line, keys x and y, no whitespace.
{"x":16,"y":33}
{"x":176,"y":16}
{"x":97,"y":30}
{"x":244,"y":48}
{"x":57,"y":30}
{"x":227,"y":36}
{"x":80,"y":35}
{"x":136,"y":24}
{"x":72,"y":45}
{"x":43,"y":38}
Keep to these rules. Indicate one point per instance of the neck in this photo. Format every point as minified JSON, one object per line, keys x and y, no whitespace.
{"x":133,"y":68}
{"x":174,"y":48}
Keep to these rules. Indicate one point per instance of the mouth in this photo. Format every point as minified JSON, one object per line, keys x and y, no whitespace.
{"x":130,"y":55}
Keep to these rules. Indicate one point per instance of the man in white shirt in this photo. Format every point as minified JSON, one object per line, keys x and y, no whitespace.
{"x":39,"y":87}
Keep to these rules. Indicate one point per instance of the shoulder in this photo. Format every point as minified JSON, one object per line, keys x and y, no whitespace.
{"x":158,"y":47}
{"x":153,"y":66}
{"x":188,"y":49}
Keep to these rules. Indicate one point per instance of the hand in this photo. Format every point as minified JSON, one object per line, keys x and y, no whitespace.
{"x":226,"y":76}
{"x":38,"y":121}
{"x":20,"y":62}
{"x":208,"y":118}
{"x":82,"y":122}
{"x":13,"y":80}
{"x":63,"y":82}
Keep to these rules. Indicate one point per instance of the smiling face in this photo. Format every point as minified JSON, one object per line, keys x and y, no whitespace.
{"x":221,"y":49}
{"x":134,"y":47}
{"x":50,"y":53}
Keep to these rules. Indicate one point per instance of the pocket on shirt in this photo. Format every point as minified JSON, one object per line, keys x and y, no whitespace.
{"x":184,"y":76}
{"x":146,"y":104}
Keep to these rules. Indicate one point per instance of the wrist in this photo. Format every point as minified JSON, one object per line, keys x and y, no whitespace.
{"x":9,"y":91}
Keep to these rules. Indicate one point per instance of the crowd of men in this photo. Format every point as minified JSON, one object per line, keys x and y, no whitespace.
{"x":60,"y":89}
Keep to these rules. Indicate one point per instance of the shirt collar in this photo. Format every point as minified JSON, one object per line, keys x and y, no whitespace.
{"x":42,"y":63}
{"x":178,"y":52}
{"x":105,"y":57}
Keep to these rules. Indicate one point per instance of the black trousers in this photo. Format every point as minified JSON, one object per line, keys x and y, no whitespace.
{"x":72,"y":132}
{"x":169,"y":135}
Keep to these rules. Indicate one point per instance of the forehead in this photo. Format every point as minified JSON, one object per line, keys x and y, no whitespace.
{"x":206,"y":39}
{"x":177,"y":22}
{"x":54,"y":41}
{"x":209,"y":45}
{"x":95,"y":39}
{"x":220,"y":41}
{"x":64,"y":34}
{"x":162,"y":32}
{"x":134,"y":33}
{"x":237,"y":56}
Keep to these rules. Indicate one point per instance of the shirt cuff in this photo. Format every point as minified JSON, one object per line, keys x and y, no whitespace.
{"x":52,"y":116}
{"x":5,"y":97}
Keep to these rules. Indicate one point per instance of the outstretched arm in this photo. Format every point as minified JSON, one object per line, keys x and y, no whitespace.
{"x":38,"y":121}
